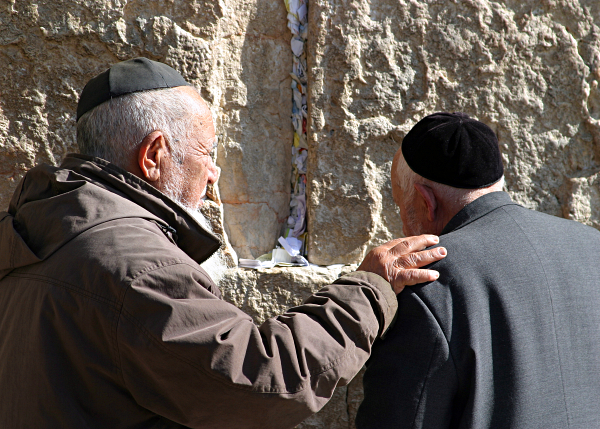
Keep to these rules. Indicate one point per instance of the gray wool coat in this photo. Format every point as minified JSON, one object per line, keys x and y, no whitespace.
{"x":508,"y":337}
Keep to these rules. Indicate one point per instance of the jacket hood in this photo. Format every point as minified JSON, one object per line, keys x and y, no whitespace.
{"x":52,"y":205}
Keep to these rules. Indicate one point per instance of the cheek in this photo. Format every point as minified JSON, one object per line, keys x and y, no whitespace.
{"x":194,"y":184}
{"x":196,"y":174}
{"x":397,"y":195}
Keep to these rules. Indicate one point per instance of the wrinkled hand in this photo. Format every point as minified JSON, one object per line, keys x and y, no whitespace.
{"x":398,"y":261}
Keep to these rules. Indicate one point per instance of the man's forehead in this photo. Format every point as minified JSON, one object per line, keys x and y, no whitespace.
{"x":205,"y":115}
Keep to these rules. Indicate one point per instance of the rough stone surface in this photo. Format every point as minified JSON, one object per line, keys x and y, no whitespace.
{"x":236,"y":52}
{"x":583,"y":200}
{"x":528,"y":70}
{"x":254,"y":114}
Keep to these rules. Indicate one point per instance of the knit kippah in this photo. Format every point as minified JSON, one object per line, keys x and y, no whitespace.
{"x":138,"y":74}
{"x":455,"y":150}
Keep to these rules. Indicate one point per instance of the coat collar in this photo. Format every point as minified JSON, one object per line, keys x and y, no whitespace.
{"x":52,"y":205}
{"x":191,"y":237}
{"x":478,"y":208}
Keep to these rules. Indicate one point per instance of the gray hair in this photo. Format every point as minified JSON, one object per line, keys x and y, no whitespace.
{"x":407,"y":179}
{"x":114,"y":129}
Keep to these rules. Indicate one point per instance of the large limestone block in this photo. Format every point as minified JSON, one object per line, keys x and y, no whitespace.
{"x":529,"y":71}
{"x":236,"y":52}
{"x":255,"y":110}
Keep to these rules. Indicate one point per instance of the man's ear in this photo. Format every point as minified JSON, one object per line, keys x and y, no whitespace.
{"x":429,"y":197}
{"x":151,"y":155}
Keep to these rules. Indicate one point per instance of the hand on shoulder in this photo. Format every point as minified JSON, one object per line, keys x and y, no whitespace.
{"x":399,"y":261}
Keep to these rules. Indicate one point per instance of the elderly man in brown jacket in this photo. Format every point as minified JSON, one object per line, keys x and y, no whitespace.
{"x":107,"y":319}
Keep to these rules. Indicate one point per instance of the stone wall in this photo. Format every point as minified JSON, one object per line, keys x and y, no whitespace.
{"x":236,"y":52}
{"x":530,"y":70}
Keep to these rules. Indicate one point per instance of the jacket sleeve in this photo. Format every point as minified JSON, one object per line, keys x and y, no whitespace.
{"x":410,"y":381}
{"x":202,"y":362}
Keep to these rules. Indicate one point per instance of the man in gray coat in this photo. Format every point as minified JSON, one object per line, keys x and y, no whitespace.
{"x":509,"y":335}
{"x":107,"y":320}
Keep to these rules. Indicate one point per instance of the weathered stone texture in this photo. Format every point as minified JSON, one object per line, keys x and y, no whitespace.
{"x":583,"y":200}
{"x":528,"y":70}
{"x":254,"y":115}
{"x":267,"y":293}
{"x":236,"y":52}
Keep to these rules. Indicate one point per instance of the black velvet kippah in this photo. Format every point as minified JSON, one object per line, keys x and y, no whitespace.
{"x":138,"y":74}
{"x":455,"y":150}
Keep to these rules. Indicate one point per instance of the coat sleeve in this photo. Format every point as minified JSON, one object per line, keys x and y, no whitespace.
{"x":410,"y":381}
{"x":202,"y":362}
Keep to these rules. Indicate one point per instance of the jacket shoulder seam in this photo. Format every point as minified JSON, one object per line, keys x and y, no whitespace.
{"x":162,"y":264}
{"x":439,"y":337}
{"x":443,"y":333}
{"x":437,"y":342}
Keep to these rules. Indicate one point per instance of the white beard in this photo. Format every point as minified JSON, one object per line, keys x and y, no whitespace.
{"x":215,"y":266}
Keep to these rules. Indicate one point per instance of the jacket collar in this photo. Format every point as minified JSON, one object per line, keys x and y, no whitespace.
{"x":191,"y":237}
{"x":52,"y":205}
{"x":478,"y":208}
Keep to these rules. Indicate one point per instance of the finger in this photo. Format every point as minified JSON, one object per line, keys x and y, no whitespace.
{"x":391,"y":243}
{"x":420,"y":259}
{"x":405,"y":245}
{"x":413,"y":277}
{"x":430,"y":240}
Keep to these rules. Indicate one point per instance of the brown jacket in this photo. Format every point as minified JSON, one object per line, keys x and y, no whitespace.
{"x":108,"y":321}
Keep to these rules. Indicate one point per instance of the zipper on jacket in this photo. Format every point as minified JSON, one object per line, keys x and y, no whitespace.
{"x":168,"y":231}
